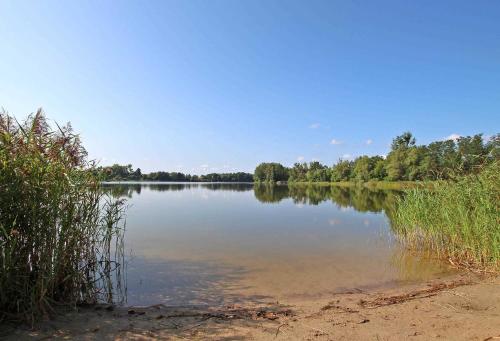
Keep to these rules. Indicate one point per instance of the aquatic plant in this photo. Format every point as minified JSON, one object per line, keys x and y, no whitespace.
{"x":460,"y":220}
{"x":61,"y":237}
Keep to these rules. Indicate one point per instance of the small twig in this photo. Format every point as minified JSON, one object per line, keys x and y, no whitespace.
{"x":278,"y":329}
{"x":491,"y":338}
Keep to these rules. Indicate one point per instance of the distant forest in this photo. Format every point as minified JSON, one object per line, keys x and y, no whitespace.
{"x":127,"y":173}
{"x":406,"y":161}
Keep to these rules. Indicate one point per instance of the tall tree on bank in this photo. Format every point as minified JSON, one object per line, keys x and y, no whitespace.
{"x":407,"y":161}
{"x":270,"y":172}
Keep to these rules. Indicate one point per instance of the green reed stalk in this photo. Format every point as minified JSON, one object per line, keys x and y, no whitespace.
{"x":459,"y":220}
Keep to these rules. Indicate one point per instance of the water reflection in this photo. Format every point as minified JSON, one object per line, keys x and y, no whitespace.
{"x":360,"y":198}
{"x":219,"y":243}
{"x":127,"y":189}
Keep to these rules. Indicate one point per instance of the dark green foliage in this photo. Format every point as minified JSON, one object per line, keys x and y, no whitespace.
{"x":364,"y":168}
{"x":270,"y":172}
{"x":318,"y":172}
{"x":118,"y":172}
{"x":226,"y":177}
{"x":342,"y":171}
{"x":126,"y":173}
{"x":298,"y":172}
{"x":403,"y":141}
{"x":60,"y":237}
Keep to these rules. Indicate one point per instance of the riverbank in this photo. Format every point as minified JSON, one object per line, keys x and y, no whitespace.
{"x":380,"y":185}
{"x":462,"y":307}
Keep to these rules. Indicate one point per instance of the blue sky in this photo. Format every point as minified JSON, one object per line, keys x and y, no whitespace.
{"x":201,"y":86}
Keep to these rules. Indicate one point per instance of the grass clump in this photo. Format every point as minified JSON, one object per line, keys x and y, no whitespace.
{"x":459,"y":220}
{"x":60,"y":237}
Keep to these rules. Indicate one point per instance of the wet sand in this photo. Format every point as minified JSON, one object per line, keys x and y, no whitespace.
{"x":459,"y":307}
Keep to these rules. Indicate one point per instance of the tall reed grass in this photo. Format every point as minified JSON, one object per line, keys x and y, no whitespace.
{"x":459,"y":220}
{"x":61,"y":238}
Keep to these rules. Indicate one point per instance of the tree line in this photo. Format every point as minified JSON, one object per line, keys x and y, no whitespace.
{"x":118,"y":172}
{"x":406,"y":161}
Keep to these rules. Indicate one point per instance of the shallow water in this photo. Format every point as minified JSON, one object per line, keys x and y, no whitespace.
{"x":233,"y":243}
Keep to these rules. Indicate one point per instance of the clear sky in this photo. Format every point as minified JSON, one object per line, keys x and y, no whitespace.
{"x":201,"y":86}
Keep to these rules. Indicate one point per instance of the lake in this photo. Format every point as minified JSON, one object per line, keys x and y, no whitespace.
{"x":220,"y":244}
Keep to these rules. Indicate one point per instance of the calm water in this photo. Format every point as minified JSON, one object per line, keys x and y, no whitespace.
{"x":230,"y":243}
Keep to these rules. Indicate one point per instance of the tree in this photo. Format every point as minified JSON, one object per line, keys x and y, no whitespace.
{"x":379,"y":172}
{"x":137,"y":174}
{"x":270,"y":172}
{"x":413,"y":163}
{"x":298,"y":172}
{"x":397,"y":159}
{"x":472,"y":152}
{"x":318,"y":172}
{"x":404,"y":140}
{"x":363,"y":167}
{"x":341,"y":171}
{"x":493,"y":147}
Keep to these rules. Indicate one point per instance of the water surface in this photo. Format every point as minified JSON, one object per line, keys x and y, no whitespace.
{"x":220,"y":244}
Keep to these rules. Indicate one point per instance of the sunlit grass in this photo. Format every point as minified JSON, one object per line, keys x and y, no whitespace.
{"x":459,"y":220}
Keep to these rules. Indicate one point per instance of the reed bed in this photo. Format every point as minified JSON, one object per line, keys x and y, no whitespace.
{"x":459,"y":220}
{"x":61,"y":238}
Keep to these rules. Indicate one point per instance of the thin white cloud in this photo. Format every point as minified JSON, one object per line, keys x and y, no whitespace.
{"x":204,"y":166}
{"x":314,"y":126}
{"x":300,"y":158}
{"x":369,"y":141}
{"x":335,"y":142}
{"x":347,"y":156}
{"x":453,"y":137}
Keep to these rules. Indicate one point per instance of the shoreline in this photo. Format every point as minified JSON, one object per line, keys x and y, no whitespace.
{"x":381,"y":185}
{"x":460,"y":307}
